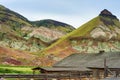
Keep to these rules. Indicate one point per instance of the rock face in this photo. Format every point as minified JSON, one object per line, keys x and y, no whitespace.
{"x":48,"y":33}
{"x":109,"y":29}
{"x":107,"y":13}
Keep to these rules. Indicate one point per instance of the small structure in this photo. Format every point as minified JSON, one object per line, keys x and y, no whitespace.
{"x":38,"y":69}
{"x":66,"y":73}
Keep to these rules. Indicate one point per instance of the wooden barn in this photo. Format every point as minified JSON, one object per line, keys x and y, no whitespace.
{"x":94,"y":66}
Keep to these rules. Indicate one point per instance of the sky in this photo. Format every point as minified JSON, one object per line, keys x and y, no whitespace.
{"x":73,"y":12}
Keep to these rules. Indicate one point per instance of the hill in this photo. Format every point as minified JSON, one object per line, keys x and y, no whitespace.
{"x":21,"y":37}
{"x":13,"y":19}
{"x":100,"y":33}
{"x":56,"y":25}
{"x":16,"y":29}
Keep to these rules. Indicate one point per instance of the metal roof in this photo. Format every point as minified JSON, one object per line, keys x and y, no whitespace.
{"x":65,"y":69}
{"x":91,"y":60}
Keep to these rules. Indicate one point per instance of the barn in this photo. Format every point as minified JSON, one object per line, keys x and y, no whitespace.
{"x":93,"y":65}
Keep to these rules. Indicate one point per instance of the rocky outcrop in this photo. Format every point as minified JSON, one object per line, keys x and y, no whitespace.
{"x":107,"y":13}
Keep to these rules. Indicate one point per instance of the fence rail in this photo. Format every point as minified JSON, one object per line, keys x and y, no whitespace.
{"x":40,"y":76}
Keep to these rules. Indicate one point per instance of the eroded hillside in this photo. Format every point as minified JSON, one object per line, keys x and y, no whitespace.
{"x":100,"y":33}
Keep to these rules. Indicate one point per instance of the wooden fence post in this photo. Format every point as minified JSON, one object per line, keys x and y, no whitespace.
{"x":79,"y":75}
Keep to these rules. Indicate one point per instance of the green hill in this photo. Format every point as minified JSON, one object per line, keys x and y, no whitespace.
{"x":52,"y":24}
{"x":100,"y":33}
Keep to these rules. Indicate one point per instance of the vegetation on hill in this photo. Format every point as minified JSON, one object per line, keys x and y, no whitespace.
{"x":19,"y":37}
{"x":12,"y":19}
{"x":16,"y":29}
{"x":52,"y":24}
{"x":100,"y":33}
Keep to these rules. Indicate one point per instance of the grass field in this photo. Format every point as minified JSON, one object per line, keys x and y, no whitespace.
{"x":5,"y":69}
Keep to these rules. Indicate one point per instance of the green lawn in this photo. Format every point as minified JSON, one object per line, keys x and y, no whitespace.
{"x":5,"y":69}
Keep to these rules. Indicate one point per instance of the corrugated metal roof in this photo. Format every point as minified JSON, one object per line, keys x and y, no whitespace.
{"x":65,"y":69}
{"x":91,"y":60}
